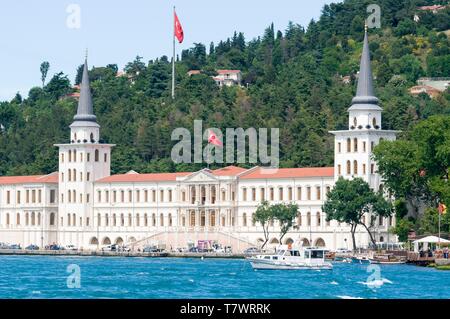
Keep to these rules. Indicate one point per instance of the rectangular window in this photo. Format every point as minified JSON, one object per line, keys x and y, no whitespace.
{"x":107,"y":196}
{"x":262,"y":194}
{"x":146,"y":196}
{"x":318,"y":193}
{"x":39,"y":196}
{"x":339,"y":147}
{"x":308,"y":193}
{"x":114,"y":196}
{"x":372,"y":146}
{"x":99,"y":196}
{"x":130,"y":196}
{"x":289,"y":193}
{"x":33,"y":196}
{"x":105,"y":157}
{"x":87,"y":198}
{"x":153,"y":196}
{"x":244,"y":194}
{"x":280,"y":193}
{"x":161,"y":195}
{"x":364,"y":168}
{"x":339,"y":170}
{"x":138,"y":196}
{"x":299,"y":193}
{"x":272,"y":193}
{"x":27,"y":196}
{"x":364,"y":146}
{"x":8,"y":197}
{"x":170,"y":195}
{"x":253,"y":194}
{"x":18,"y":197}
{"x":372,"y":168}
{"x":88,"y":155}
{"x":122,"y":196}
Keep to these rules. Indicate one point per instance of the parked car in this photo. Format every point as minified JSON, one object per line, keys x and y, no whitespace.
{"x":70,"y":247}
{"x":112,"y":247}
{"x":54,"y":247}
{"x":252,"y":250}
{"x":193,"y":250}
{"x":32,"y":247}
{"x":151,"y":249}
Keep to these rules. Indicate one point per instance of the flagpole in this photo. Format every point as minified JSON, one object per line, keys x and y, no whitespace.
{"x":439,"y":231}
{"x":173,"y":60}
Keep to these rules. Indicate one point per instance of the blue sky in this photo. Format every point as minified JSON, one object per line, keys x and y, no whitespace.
{"x":117,"y":31}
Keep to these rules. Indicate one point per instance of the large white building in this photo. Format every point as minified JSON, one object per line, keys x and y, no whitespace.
{"x":82,"y":204}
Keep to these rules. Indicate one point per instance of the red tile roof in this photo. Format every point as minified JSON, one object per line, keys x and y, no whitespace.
{"x":163,"y":177}
{"x":228,"y":71}
{"x":32,"y":179}
{"x":264,"y":173}
{"x":154,"y":177}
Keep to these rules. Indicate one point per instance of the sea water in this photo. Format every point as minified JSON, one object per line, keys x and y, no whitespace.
{"x":122,"y":277}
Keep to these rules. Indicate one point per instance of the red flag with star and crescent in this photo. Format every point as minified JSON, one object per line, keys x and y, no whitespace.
{"x":179,"y":33}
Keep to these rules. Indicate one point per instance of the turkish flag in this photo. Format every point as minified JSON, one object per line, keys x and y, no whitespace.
{"x":212,"y":139}
{"x":178,"y":29}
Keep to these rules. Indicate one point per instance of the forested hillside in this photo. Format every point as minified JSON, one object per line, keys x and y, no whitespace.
{"x":292,"y":80}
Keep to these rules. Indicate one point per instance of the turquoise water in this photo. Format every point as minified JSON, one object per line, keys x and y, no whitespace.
{"x":46,"y":277}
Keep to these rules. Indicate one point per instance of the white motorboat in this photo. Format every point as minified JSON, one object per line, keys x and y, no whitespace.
{"x":289,"y":258}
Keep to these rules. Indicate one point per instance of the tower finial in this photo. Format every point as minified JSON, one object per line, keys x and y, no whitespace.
{"x":86,"y":55}
{"x":365,"y":26}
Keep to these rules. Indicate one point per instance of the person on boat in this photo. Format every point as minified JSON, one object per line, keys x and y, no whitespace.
{"x":446,"y":252}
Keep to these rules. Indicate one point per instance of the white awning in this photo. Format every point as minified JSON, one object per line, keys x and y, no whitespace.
{"x":431,"y":240}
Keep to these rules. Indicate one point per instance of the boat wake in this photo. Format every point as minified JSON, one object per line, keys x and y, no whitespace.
{"x":375,"y":283}
{"x":334,"y":283}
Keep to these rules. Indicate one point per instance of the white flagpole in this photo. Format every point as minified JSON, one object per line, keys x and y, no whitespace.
{"x":173,"y":60}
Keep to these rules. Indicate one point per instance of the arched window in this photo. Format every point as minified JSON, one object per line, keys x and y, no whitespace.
{"x":99,"y":220}
{"x":92,"y":138}
{"x":170,"y":220}
{"x":355,"y":167}
{"x":374,"y":122}
{"x":244,"y":220}
{"x":161,"y":220}
{"x":299,"y":219}
{"x":96,"y":155}
{"x":308,"y":219}
{"x":318,"y":219}
{"x":122,"y":220}
{"x":348,"y":168}
{"x":130,"y":220}
{"x":349,"y":145}
{"x":355,"y":121}
{"x":355,"y":144}
{"x":52,"y":219}
{"x":138,"y":222}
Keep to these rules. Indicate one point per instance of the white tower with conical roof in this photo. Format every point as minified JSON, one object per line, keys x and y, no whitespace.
{"x":81,"y":162}
{"x":354,"y":147}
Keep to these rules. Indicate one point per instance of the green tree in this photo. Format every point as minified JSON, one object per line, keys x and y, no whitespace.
{"x":350,"y":200}
{"x":285,"y":215}
{"x":263,"y":215}
{"x":402,"y":228}
{"x":45,"y":66}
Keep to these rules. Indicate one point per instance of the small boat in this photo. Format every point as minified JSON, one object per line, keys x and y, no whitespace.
{"x":342,"y":259}
{"x":361,"y":260}
{"x":387,"y":259}
{"x":289,"y":258}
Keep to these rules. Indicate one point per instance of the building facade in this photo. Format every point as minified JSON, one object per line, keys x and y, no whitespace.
{"x":82,"y":204}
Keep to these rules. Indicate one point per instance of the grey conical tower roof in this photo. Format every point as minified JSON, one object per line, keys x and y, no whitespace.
{"x":365,"y":98}
{"x":85,"y":111}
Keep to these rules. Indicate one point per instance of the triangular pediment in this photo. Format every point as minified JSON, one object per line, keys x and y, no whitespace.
{"x":204,"y":175}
